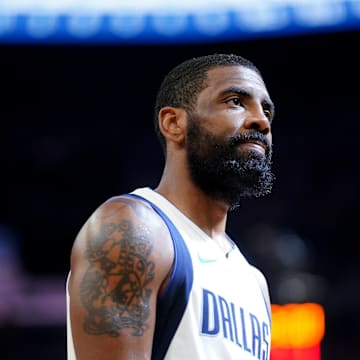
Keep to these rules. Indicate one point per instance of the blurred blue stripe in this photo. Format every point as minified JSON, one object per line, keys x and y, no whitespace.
{"x":186,"y":28}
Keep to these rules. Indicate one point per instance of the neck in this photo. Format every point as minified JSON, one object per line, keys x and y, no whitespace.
{"x":209,"y":214}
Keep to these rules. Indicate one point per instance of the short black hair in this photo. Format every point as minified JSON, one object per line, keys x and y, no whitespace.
{"x":184,"y":82}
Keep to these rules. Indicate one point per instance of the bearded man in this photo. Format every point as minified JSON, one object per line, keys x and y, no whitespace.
{"x":153,"y":273}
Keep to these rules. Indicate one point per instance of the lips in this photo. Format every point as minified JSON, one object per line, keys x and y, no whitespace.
{"x":255,"y":144}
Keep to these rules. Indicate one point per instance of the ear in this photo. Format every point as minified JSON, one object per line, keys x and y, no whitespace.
{"x":172,"y":123}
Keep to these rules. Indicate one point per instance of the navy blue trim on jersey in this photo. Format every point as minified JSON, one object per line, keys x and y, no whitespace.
{"x":172,"y":303}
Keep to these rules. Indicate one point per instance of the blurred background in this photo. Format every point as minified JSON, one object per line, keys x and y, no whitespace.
{"x":78,"y":84}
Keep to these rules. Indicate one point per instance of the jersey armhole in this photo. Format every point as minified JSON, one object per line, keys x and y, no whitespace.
{"x":172,"y":303}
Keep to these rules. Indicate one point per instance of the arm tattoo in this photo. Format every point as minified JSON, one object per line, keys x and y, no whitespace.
{"x":115,"y":289}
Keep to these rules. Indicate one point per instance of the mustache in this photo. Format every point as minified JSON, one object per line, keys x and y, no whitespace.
{"x":250,"y":136}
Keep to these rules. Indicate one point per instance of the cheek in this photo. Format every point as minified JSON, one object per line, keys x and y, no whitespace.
{"x":228,"y":125}
{"x":234,"y":121}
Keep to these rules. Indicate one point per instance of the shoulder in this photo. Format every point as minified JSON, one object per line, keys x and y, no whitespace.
{"x":121,"y":215}
{"x":120,"y":210}
{"x":123,"y":227}
{"x":262,"y":282}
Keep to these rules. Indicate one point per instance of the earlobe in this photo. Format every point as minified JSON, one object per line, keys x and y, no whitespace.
{"x":172,"y":123}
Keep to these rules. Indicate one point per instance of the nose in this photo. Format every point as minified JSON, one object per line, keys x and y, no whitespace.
{"x":258,"y":121}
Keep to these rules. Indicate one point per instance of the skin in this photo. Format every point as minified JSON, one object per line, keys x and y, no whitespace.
{"x":122,"y":257}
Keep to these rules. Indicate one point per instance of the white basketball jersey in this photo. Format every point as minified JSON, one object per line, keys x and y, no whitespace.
{"x":213,"y":308}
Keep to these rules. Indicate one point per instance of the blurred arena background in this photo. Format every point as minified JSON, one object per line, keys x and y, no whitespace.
{"x":78,"y":82}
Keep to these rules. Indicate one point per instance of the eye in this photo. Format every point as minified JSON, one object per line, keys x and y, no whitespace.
{"x":268,"y":110}
{"x":235,"y":101}
{"x":268,"y":113}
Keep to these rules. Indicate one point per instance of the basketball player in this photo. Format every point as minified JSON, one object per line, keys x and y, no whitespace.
{"x":153,"y":273}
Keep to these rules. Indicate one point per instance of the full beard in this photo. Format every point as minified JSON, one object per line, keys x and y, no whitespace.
{"x":224,"y":172}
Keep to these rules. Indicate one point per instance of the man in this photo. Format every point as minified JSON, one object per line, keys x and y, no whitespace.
{"x":153,"y":273}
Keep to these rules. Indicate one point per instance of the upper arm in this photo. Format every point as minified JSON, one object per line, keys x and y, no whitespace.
{"x":116,"y":273}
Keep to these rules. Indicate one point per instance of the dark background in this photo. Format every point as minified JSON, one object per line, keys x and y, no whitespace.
{"x":77,"y":128}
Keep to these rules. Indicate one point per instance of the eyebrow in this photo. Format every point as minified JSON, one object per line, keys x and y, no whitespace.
{"x":247,"y":94}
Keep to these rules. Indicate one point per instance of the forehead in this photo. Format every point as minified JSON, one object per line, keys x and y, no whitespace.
{"x":223,"y":77}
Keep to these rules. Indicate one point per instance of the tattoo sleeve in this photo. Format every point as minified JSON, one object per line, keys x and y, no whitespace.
{"x":115,"y":288}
